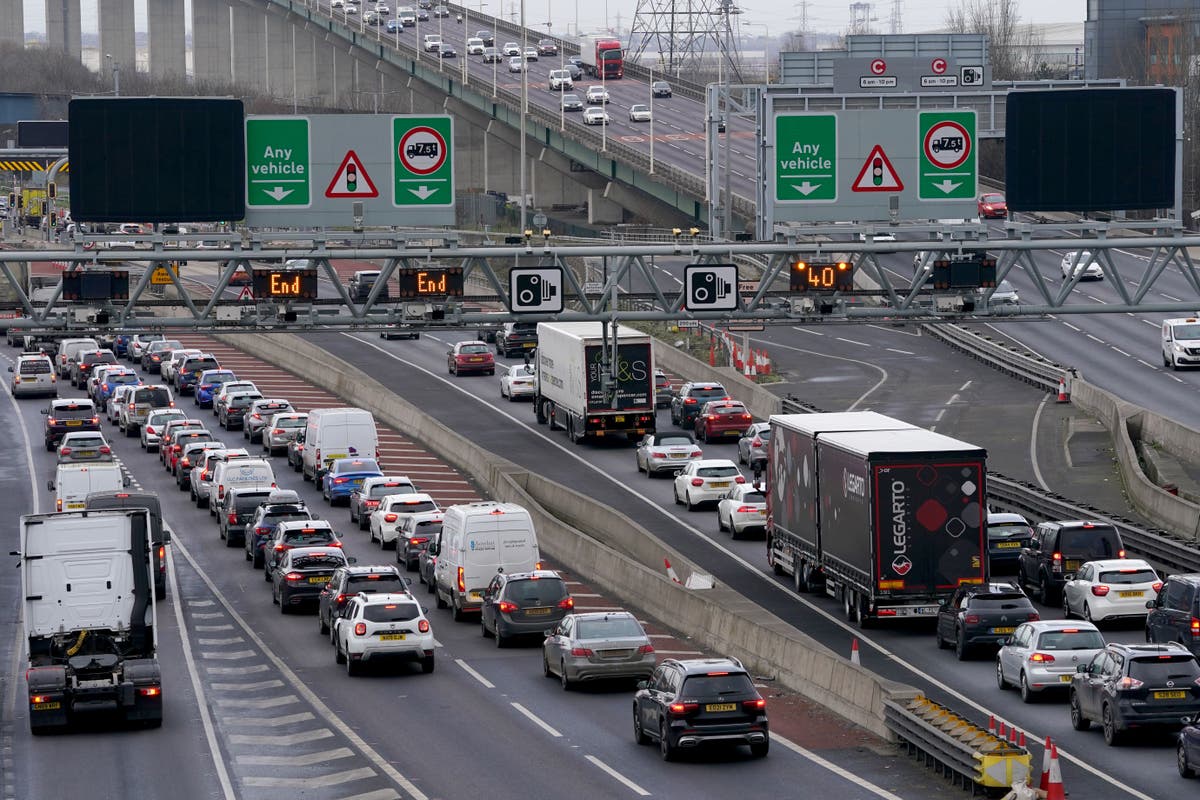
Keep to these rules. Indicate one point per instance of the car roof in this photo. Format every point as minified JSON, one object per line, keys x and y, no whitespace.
{"x":998,"y":517}
{"x":387,"y":598}
{"x":1121,"y":563}
{"x":534,"y":575}
{"x":375,"y":480}
{"x":589,"y":615}
{"x":714,"y":462}
{"x":367,"y":569}
{"x":293,"y":524}
{"x":693,"y":666}
{"x":323,"y":550}
{"x":1061,"y":624}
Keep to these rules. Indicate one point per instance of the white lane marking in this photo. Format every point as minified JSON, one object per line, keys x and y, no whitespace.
{"x":885,"y":329}
{"x":1150,"y":322}
{"x":1095,"y":299}
{"x":1033,"y":439}
{"x":941,"y":413}
{"x":1072,"y":327}
{"x":804,"y":752}
{"x":292,"y":678}
{"x":1122,"y":352}
{"x":1096,"y":339}
{"x":247,"y":687}
{"x":612,"y":773}
{"x":953,"y":399}
{"x":296,"y":761}
{"x":282,"y":740}
{"x":471,"y":671}
{"x":1169,"y":297}
{"x":536,"y":720}
{"x":1147,"y":364}
{"x":733,"y":557}
{"x":807,"y":330}
{"x":901,"y":352}
{"x":852,"y":341}
{"x":321,"y":781}
{"x":965,"y":386}
{"x":273,"y":722}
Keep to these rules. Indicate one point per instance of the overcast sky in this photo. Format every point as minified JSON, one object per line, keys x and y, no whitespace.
{"x":832,"y":16}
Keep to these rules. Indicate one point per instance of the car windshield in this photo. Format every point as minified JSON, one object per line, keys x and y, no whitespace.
{"x":702,"y":392}
{"x":1093,"y":544}
{"x":1000,"y":601}
{"x":536,"y":591}
{"x":1127,"y":576}
{"x":1187,"y":331}
{"x":83,"y":441}
{"x":277,"y":515}
{"x":429,"y":527}
{"x":473,"y":349}
{"x":199,"y":364}
{"x":291,"y":422}
{"x":35,"y":366}
{"x":666,"y":441}
{"x":727,"y":409}
{"x":122,"y":377}
{"x":712,"y":685}
{"x":100,"y":358}
{"x":1008,"y":530}
{"x":242,"y":400}
{"x":1159,"y":669}
{"x":355,"y":465}
{"x":639,"y":107}
{"x":993,"y":198}
{"x":221,"y":377}
{"x":1070,"y":639}
{"x":300,"y":538}
{"x":391,"y":612}
{"x":608,"y":628}
{"x":384,"y":489}
{"x":717,"y":472}
{"x":412,"y":506}
{"x":154,"y":397}
{"x":375,"y":582}
{"x":323,"y":561}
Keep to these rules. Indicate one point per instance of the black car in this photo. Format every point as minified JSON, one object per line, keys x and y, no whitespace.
{"x":1187,"y":748}
{"x":157,"y":352}
{"x":524,"y":604}
{"x":1008,"y":535}
{"x":295,"y":452}
{"x":446,"y":51}
{"x":302,"y":572}
{"x":427,"y":561}
{"x":282,"y":505}
{"x":414,"y":536}
{"x":690,"y":398}
{"x":362,"y":283}
{"x":1057,"y":549}
{"x":489,"y":38}
{"x":233,"y":413}
{"x":1128,"y":686}
{"x":236,"y":509}
{"x":1175,"y":612}
{"x":81,"y":370}
{"x":982,"y":614}
{"x":68,"y":416}
{"x":189,"y":373}
{"x":516,"y":337}
{"x":348,"y":581}
{"x":689,"y":702}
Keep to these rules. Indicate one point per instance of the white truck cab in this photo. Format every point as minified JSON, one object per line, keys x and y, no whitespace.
{"x":1181,"y":342}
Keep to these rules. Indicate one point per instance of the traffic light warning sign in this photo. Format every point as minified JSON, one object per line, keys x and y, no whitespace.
{"x":877,"y":174}
{"x":351,"y":179}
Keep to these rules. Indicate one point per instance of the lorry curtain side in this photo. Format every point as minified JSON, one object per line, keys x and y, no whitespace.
{"x":635,"y":378}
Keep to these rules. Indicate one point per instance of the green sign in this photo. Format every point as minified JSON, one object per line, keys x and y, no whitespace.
{"x":423,"y":161}
{"x":278,"y":169}
{"x":805,"y":158}
{"x":946,"y":141}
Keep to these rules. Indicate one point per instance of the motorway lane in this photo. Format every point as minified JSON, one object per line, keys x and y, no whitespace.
{"x":899,"y":653}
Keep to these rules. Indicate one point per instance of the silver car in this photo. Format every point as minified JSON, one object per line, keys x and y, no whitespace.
{"x":282,"y":429}
{"x":1005,"y":294}
{"x":662,"y":452}
{"x":753,"y":444}
{"x":118,"y":402}
{"x":260,"y":413}
{"x":1042,"y":656}
{"x":83,"y":446}
{"x":598,"y":645}
{"x":156,"y":420}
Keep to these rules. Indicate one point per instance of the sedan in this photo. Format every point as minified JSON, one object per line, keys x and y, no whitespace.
{"x":467,"y":357}
{"x":598,"y":645}
{"x":1005,"y":294}
{"x":344,"y":476}
{"x":301,"y":573}
{"x":446,"y":51}
{"x":531,"y":54}
{"x":639,"y":112}
{"x":597,"y":95}
{"x":663,"y":391}
{"x":660,"y":452}
{"x":743,"y":509}
{"x":706,"y":480}
{"x":491,"y":55}
{"x":1042,"y":656}
{"x":1111,"y":589}
{"x":394,"y":25}
{"x":596,"y":115}
{"x":516,"y":64}
{"x":1081,"y":264}
{"x":489,"y":39}
{"x":83,"y":446}
{"x":260,"y":414}
{"x":719,"y":418}
{"x":520,"y":381}
{"x":571,"y":102}
{"x":416,"y":531}
{"x":209,"y":382}
{"x":992,"y":205}
{"x":752,"y":446}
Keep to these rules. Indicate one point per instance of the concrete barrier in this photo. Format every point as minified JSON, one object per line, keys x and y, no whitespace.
{"x":609,"y":549}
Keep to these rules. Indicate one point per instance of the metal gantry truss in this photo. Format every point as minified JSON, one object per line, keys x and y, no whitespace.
{"x":203,"y":305}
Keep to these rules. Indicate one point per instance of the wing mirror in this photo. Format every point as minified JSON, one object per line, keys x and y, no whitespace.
{"x":1083,"y":669}
{"x":643,"y":684}
{"x":550,"y":632}
{"x":50,"y":485}
{"x":352,"y":560}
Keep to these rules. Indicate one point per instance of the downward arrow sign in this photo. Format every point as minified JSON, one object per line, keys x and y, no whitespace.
{"x":424,"y":192}
{"x":806,"y":188}
{"x":947,"y":186}
{"x":278,"y":193}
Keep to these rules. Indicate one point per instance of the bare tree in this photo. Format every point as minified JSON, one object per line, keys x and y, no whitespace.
{"x":1014,"y":48}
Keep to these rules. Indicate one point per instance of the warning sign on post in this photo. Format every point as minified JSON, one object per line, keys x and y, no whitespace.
{"x":351,"y":179}
{"x":877,"y":174}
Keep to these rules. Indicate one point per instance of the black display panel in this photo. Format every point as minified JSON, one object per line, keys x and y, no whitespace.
{"x":88,"y":285}
{"x":1090,"y":149}
{"x":157,"y":159}
{"x":42,"y":133}
{"x":421,"y":282}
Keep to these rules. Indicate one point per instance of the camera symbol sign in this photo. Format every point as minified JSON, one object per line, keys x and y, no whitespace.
{"x":710,"y":287}
{"x":535,"y":290}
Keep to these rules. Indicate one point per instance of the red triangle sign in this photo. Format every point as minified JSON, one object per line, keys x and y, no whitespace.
{"x":246,"y":294}
{"x":351,"y":179}
{"x":877,"y":174}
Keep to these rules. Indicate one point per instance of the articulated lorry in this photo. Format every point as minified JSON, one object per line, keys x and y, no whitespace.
{"x":887,"y":518}
{"x":602,"y":56}
{"x":590,"y":388}
{"x":88,"y":583}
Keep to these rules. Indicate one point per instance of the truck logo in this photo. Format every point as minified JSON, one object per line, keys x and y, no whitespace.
{"x":901,"y":564}
{"x":853,"y":484}
{"x":900,"y":525}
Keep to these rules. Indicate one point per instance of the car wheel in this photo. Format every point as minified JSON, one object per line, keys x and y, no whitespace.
{"x":483,"y":630}
{"x":1066,"y":606}
{"x":639,"y":734}
{"x":675,"y":491}
{"x":721,"y":522}
{"x":960,"y":645}
{"x":429,"y":587}
{"x":760,"y":749}
{"x":351,"y":666}
{"x":1045,"y":592}
{"x":1001,"y":684}
{"x":427,"y":664}
{"x":439,"y":601}
{"x":1087,"y":613}
{"x":1027,"y":693}
{"x":942,"y":644}
{"x":1112,"y":735}
{"x":665,"y":748}
{"x":1078,"y":721}
{"x":563,"y":680}
{"x":546,"y":666}
{"x":687,"y":500}
{"x":456,"y":612}
{"x":322,"y":626}
{"x":274,"y":596}
{"x":1181,"y":762}
{"x":501,"y":639}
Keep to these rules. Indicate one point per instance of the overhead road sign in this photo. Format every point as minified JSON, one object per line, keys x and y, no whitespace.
{"x":710,"y":287}
{"x":424,"y":165}
{"x":806,"y":162}
{"x":948,"y":149}
{"x":877,"y":174}
{"x":536,"y":290}
{"x":161,"y":277}
{"x":278,"y":170}
{"x":940,"y":73}
{"x":351,"y":179}
{"x":42,"y":133}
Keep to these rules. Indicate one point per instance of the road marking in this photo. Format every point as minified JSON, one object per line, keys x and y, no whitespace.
{"x":236,"y":670}
{"x":1095,"y":299}
{"x":536,"y":720}
{"x":852,"y":341}
{"x":965,"y":386}
{"x":296,"y":761}
{"x":470,"y":671}
{"x":941,"y":413}
{"x":1072,"y":327}
{"x":618,"y":776}
{"x":1150,"y":322}
{"x":318,"y":782}
{"x":953,"y":399}
{"x":230,"y":640}
{"x":214,"y":627}
{"x":378,"y":794}
{"x":1169,"y":297}
{"x":915,"y":334}
{"x":273,"y":722}
{"x":233,"y":656}
{"x":901,"y":352}
{"x":835,"y":769}
{"x":1122,"y":352}
{"x":283,"y":740}
{"x":1033,"y":438}
{"x":258,"y":705}
{"x":1096,"y":339}
{"x":807,"y":330}
{"x":246,"y":687}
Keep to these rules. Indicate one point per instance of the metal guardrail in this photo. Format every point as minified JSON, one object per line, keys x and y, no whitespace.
{"x":1023,"y":365}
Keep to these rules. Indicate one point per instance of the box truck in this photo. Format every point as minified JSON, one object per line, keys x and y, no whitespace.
{"x":602,"y":56}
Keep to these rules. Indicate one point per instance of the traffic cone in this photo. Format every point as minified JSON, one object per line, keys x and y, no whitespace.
{"x":1055,"y":791}
{"x":1012,"y":736}
{"x":1063,"y":397}
{"x":1021,"y":741}
{"x":854,"y":656}
{"x":1044,"y":783}
{"x":1003,"y":732}
{"x":671,"y":571}
{"x":992,"y":724}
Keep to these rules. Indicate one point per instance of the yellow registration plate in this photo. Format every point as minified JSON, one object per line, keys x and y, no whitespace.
{"x":476,"y":596}
{"x":536,"y":611}
{"x":1172,"y":695}
{"x":332,"y":456}
{"x":719,"y":484}
{"x":1007,"y":545}
{"x":719,"y":707}
{"x":1003,"y":630}
{"x":392,"y":637}
{"x":1072,"y":566}
{"x":679,"y":455}
{"x":76,"y":505}
{"x":321,"y":579}
{"x":620,"y":418}
{"x":74,"y":423}
{"x":1064,"y":678}
{"x":529,"y":344}
{"x":46,"y":706}
{"x":1131,"y":594}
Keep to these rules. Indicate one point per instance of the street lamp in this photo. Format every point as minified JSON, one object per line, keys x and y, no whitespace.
{"x":116,"y":72}
{"x":524,"y":107}
{"x":651,"y":119}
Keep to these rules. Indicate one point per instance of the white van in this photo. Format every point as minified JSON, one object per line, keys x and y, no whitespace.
{"x":1181,"y":342}
{"x":479,"y":540}
{"x":69,"y":350}
{"x":333,"y":433}
{"x":74,"y":482}
{"x":242,"y":473}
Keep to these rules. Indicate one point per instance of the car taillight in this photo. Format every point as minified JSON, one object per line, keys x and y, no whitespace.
{"x":423,"y":626}
{"x":64,"y":451}
{"x":582,"y":652}
{"x":757,"y":442}
{"x":340,"y":480}
{"x":150,"y":429}
{"x":567,"y":603}
{"x":746,"y":509}
{"x":277,"y":431}
{"x":293,"y":576}
{"x":1157,"y":587}
{"x":1195,"y":627}
{"x":150,"y":691}
{"x":680,"y":709}
{"x":646,"y":649}
{"x":697,"y":481}
{"x":658,"y":455}
{"x":360,"y":629}
{"x":261,"y":531}
{"x":390,"y":517}
{"x":1033,"y":616}
{"x":332,"y":544}
{"x":256,"y":416}
{"x":279,"y":548}
{"x":220,"y":491}
{"x":95,"y":420}
{"x":58,"y":505}
{"x":204,"y":475}
{"x":51,"y":421}
{"x":757,"y":704}
{"x":1042,"y":658}
{"x":185,"y":462}
{"x":1100,"y":590}
{"x":232,"y":518}
{"x":506,"y":607}
{"x":1120,"y":554}
{"x":746,"y":417}
{"x":1127,"y":683}
{"x":418,"y":540}
{"x":132,"y":406}
{"x":162,"y":553}
{"x":462,"y":580}
{"x":370,"y":503}
{"x":971,"y":619}
{"x":691,"y":401}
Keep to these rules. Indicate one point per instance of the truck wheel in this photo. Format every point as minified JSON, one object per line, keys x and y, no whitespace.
{"x":800,"y":579}
{"x":539,"y":411}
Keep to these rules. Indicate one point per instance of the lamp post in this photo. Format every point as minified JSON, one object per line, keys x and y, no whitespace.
{"x":651,"y":120}
{"x":116,"y":73}
{"x":524,"y":108}
{"x":766,"y":45}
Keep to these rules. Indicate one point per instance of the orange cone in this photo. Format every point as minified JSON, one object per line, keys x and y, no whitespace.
{"x":992,"y":725}
{"x":1063,"y":397}
{"x":671,"y":571}
{"x":854,"y":657}
{"x":1045,"y":781}
{"x":1055,"y":791}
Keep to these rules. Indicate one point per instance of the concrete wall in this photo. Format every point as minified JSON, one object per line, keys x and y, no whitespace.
{"x":12,"y":22}
{"x":762,"y":403}
{"x":249,"y":47}
{"x":280,"y":36}
{"x":62,"y":25}
{"x":116,"y":34}
{"x":168,"y":46}
{"x":210,"y":41}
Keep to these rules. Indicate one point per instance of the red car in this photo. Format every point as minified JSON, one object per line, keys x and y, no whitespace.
{"x":992,"y":206}
{"x":467,"y":357}
{"x":722,"y":418}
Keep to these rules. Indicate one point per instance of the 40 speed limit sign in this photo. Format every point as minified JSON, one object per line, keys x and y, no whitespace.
{"x":423,"y":161}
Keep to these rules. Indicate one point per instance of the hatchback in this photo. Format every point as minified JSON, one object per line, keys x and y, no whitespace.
{"x":722,"y":418}
{"x":1007,"y":535}
{"x":344,"y":476}
{"x":686,"y":403}
{"x":349,"y":581}
{"x":189,"y":373}
{"x":298,"y":533}
{"x":387,"y":519}
{"x":65,"y":416}
{"x":413,"y":538}
{"x":467,"y":357}
{"x":524,"y":603}
{"x":705,"y":481}
{"x":752,"y":446}
{"x":742,"y":509}
{"x":378,"y":627}
{"x":598,"y":645}
{"x":302,"y":572}
{"x":282,"y":429}
{"x":259,"y":414}
{"x":83,"y":446}
{"x":978,"y":615}
{"x":639,"y":112}
{"x":282,"y":505}
{"x":1112,"y":589}
{"x":34,"y":375}
{"x":1042,"y":656}
{"x":1175,"y":613}
{"x":366,"y":496}
{"x":234,"y":408}
{"x":208,"y":384}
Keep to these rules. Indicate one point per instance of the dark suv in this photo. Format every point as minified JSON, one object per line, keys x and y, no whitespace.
{"x":516,"y":337}
{"x":1058,"y":549}
{"x":282,"y":505}
{"x":524,"y":603}
{"x":689,"y":702}
{"x":351,"y":580}
{"x":189,"y":371}
{"x":236,"y":509}
{"x":685,"y":405}
{"x":1175,"y":614}
{"x":982,"y":614}
{"x":1133,"y":686}
{"x":68,"y":416}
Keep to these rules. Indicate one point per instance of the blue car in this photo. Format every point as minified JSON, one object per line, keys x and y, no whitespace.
{"x":394,"y":25}
{"x":344,"y":476}
{"x":209,"y":382}
{"x":121,"y":345}
{"x":111,"y":382}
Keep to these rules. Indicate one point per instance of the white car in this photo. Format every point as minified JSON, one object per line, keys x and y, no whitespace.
{"x":519,"y":381}
{"x":226,"y":390}
{"x":432,"y":42}
{"x":639,"y":112}
{"x":516,"y":64}
{"x":1085,"y":266}
{"x":531,"y":54}
{"x":474,"y":46}
{"x":596,"y":94}
{"x":172,"y":363}
{"x":595,"y":115}
{"x":658,"y":452}
{"x":155,"y":422}
{"x":1117,"y":587}
{"x":387,"y":518}
{"x":1005,"y":294}
{"x":706,"y":481}
{"x":382,"y":8}
{"x":34,"y":374}
{"x":743,"y":509}
{"x":375,"y":627}
{"x":118,"y":401}
{"x":1181,"y":342}
{"x":511,"y":49}
{"x":1042,"y":656}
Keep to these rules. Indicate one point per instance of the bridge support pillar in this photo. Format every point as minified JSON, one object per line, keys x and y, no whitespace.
{"x":168,"y":48}
{"x":211,"y":52}
{"x":62,"y":26}
{"x":322,"y":70}
{"x":12,"y":23}
{"x":345,"y":76}
{"x":280,"y":67}
{"x":601,"y":210}
{"x":116,"y":36}
{"x":249,"y":45}
{"x":307,"y":75}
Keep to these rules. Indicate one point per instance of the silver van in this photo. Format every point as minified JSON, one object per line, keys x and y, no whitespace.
{"x":141,"y":401}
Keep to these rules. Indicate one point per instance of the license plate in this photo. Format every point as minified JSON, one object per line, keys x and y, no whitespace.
{"x":46,"y":706}
{"x":392,"y":637}
{"x":1007,"y":545}
{"x":91,"y":453}
{"x":529,"y":344}
{"x":719,"y":485}
{"x":476,"y":596}
{"x":1064,"y":678}
{"x":335,"y":455}
{"x":1073,"y":565}
{"x":475,"y":359}
{"x":1172,"y":695}
{"x":719,"y":707}
{"x":1131,"y":594}
{"x":679,"y":455}
{"x":1003,"y":630}
{"x":533,"y":612}
{"x":762,"y":512}
{"x":324,"y":579}
{"x":74,"y":423}
{"x":72,"y":506}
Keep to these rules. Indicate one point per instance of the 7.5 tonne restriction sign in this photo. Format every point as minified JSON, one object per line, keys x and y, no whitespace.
{"x":423,"y":163}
